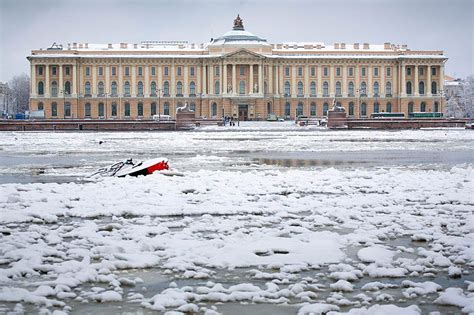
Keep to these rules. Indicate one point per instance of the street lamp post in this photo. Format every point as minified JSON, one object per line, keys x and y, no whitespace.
{"x":158,"y":92}
{"x":105,"y":105}
{"x":200,"y":105}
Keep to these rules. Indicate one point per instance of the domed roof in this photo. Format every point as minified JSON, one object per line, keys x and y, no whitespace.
{"x":238,"y":36}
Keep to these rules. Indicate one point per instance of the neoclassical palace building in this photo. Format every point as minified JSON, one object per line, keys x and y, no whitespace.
{"x":238,"y":74}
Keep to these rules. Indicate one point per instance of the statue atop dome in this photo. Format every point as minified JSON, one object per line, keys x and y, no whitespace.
{"x":238,"y":24}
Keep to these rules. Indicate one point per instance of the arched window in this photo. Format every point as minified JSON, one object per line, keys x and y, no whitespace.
{"x":313,"y":88}
{"x":140,"y":109}
{"x":388,"y":89}
{"x":114,"y":88}
{"x":100,"y":88}
{"x":153,"y":109}
{"x":153,"y":88}
{"x":300,"y":88}
{"x":242,"y":87}
{"x":67,"y":88}
{"x":265,"y":87}
{"x":409,"y":88}
{"x":101,"y":110}
{"x":436,"y":107}
{"x":40,"y":106}
{"x":287,"y":88}
{"x":325,"y":89}
{"x":287,"y":109}
{"x":376,"y":88}
{"x":363,"y":110}
{"x":166,"y":108}
{"x":40,"y":88}
{"x":351,"y":108}
{"x":351,"y":88}
{"x":140,"y":88}
{"x":217,"y":88}
{"x":389,"y":107}
{"x":87,"y":110}
{"x":363,"y":89}
{"x":54,"y":109}
{"x":421,"y":88}
{"x":299,"y":109}
{"x":376,"y":107}
{"x":338,"y":89}
{"x":127,"y":109}
{"x":179,"y":89}
{"x":313,"y":109}
{"x":214,"y":110}
{"x":192,"y":107}
{"x":269,"y":108}
{"x":54,"y":89}
{"x":410,"y":107}
{"x":87,"y":89}
{"x":192,"y":88}
{"x":325,"y":109}
{"x":434,"y":88}
{"x":166,"y":89}
{"x":423,"y":107}
{"x":114,"y":109}
{"x":126,"y":88}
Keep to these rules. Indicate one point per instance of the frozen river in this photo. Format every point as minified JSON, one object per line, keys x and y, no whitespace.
{"x":267,"y":218}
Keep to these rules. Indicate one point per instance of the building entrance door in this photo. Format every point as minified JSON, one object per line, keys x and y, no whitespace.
{"x":243,"y":112}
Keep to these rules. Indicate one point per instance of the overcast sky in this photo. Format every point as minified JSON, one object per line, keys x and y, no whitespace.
{"x":422,"y":24}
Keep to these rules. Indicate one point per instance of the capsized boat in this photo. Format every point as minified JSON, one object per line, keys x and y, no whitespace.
{"x":130,"y":168}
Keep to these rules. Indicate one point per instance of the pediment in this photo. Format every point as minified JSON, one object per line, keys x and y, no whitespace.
{"x":243,"y":54}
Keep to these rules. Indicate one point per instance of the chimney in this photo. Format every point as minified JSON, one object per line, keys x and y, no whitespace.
{"x":366,"y":45}
{"x":109,"y":46}
{"x":135,"y":46}
{"x":336,"y":45}
{"x":404,"y":46}
{"x":356,"y":45}
{"x":86,"y":46}
{"x":318,"y":46}
{"x":81,"y":45}
{"x":69,"y":46}
{"x":343,"y":45}
{"x":386,"y":46}
{"x":74,"y":45}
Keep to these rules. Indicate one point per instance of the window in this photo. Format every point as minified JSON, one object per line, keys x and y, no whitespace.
{"x":325,"y":109}
{"x":166,"y":108}
{"x":140,"y":71}
{"x":153,"y":109}
{"x":421,"y":87}
{"x":54,"y":70}
{"x":101,"y":110}
{"x":351,"y":71}
{"x":191,"y":71}
{"x":114,"y":109}
{"x":423,"y":107}
{"x":312,"y":109}
{"x":325,"y":89}
{"x":40,"y":106}
{"x":388,"y":71}
{"x":376,"y":71}
{"x":338,"y":89}
{"x":67,"y":88}
{"x":126,"y":88}
{"x":87,"y":110}
{"x":140,"y":88}
{"x":67,"y":70}
{"x":54,"y":109}
{"x":127,"y":71}
{"x":166,"y":88}
{"x":217,"y":88}
{"x":351,"y":88}
{"x":376,"y":107}
{"x":100,"y":88}
{"x":408,"y":70}
{"x":338,"y":71}
{"x":88,"y":71}
{"x":287,"y":109}
{"x":410,"y":107}
{"x":325,"y":71}
{"x":192,"y":107}
{"x":389,"y":107}
{"x":242,"y":87}
{"x":287,"y":88}
{"x":269,"y":108}
{"x":376,"y":88}
{"x":166,"y":71}
{"x":127,"y":109}
{"x":242,"y":70}
{"x":300,"y":71}
{"x":153,"y":88}
{"x":40,"y":88}
{"x":67,"y":109}
{"x":140,"y":109}
{"x":299,"y":109}
{"x":114,"y":88}
{"x":421,"y":71}
{"x":408,"y":87}
{"x":300,"y":88}
{"x":287,"y":71}
{"x":363,"y":71}
{"x":114,"y":71}
{"x":192,"y":89}
{"x":363,"y":89}
{"x":434,"y":88}
{"x":363,"y":110}
{"x":40,"y":70}
{"x":436,"y":107}
{"x":87,"y":89}
{"x":179,"y":89}
{"x":217,"y":70}
{"x":351,"y":109}
{"x":313,"y":71}
{"x":101,"y":71}
{"x":388,"y":89}
{"x":54,"y":89}
{"x":214,"y":109}
{"x":178,"y":71}
{"x":433,"y":71}
{"x":153,"y":70}
{"x":313,"y":88}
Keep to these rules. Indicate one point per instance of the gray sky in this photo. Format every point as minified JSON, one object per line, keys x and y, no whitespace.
{"x":422,"y":24}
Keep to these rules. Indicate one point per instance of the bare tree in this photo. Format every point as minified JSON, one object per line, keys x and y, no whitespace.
{"x":20,"y":92}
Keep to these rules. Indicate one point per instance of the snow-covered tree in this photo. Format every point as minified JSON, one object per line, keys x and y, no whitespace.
{"x":460,"y":98}
{"x":20,"y":92}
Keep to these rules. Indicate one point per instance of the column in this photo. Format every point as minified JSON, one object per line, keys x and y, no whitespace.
{"x":234,"y":80}
{"x":134,"y":81}
{"x":293,"y":81}
{"x":211,"y":80}
{"x":146,"y":84}
{"x":270,"y":79}
{"x":186,"y":79}
{"x":33,"y":81}
{"x":120,"y":80}
{"x":94,"y":81}
{"x":428,"y":81}
{"x":344,"y":81}
{"x":173,"y":81}
{"x":74,"y":80}
{"x":331,"y":81}
{"x":281,"y":81}
{"x":416,"y":81}
{"x":260,"y":79}
{"x":251,"y":78}
{"x":306,"y":80}
{"x":441,"y":80}
{"x":46,"y":83}
{"x":224,"y":78}
{"x":370,"y":84}
{"x":198,"y":79}
{"x":403,"y":83}
{"x":382,"y":80}
{"x":319,"y":83}
{"x":204,"y":79}
{"x":61,"y":81}
{"x":107,"y":80}
{"x":395,"y":88}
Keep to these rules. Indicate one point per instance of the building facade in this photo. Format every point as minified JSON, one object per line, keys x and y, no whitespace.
{"x":238,"y":74}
